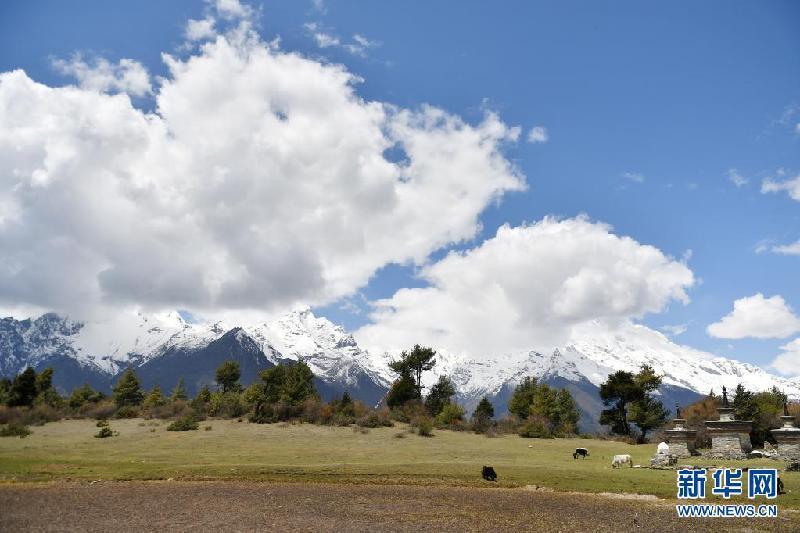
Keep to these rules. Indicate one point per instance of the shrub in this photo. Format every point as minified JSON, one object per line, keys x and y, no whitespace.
{"x":83,"y":395}
{"x":173,"y":409}
{"x":101,"y":409}
{"x":409,"y":411}
{"x":375,"y":419}
{"x":15,"y":429}
{"x":423,"y":425}
{"x":186,"y":423}
{"x":450,"y":416}
{"x":316,"y":412}
{"x":536,"y":428}
{"x":30,"y":416}
{"x":226,"y":405}
{"x":342,"y":419}
{"x":127,"y":411}
{"x":104,"y":432}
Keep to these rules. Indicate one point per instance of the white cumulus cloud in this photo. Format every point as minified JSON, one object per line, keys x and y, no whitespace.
{"x":527,"y":287}
{"x":198,"y":30}
{"x":758,"y":317}
{"x":790,"y":186}
{"x":788,"y":361}
{"x":262,"y":181}
{"x":787,"y":249}
{"x":538,"y":134}
{"x":126,"y":76}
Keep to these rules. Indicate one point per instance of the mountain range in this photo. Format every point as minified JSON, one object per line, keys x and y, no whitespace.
{"x":163,"y":348}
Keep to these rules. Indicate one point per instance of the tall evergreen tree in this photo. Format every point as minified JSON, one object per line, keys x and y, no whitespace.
{"x":128,"y":390}
{"x":439,"y":395}
{"x":155,"y":398}
{"x":5,"y":391}
{"x":420,"y":359}
{"x":617,"y":393}
{"x":523,"y":397}
{"x":299,"y":384}
{"x":403,"y":390}
{"x":629,"y":399}
{"x":23,"y":388}
{"x":179,"y":392}
{"x":228,"y":374}
{"x":482,"y":415}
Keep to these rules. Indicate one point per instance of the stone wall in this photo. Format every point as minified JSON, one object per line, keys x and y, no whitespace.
{"x":679,"y":449}
{"x":789,"y":451}
{"x":728,"y":446}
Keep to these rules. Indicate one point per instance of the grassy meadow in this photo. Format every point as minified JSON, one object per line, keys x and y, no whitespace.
{"x":144,"y":450}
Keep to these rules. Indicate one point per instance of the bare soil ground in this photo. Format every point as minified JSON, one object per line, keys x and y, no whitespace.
{"x":251,"y":506}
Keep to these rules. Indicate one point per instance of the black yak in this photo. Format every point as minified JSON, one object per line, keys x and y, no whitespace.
{"x":489,"y":474}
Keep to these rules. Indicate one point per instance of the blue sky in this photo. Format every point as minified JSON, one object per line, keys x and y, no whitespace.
{"x":647,"y":106}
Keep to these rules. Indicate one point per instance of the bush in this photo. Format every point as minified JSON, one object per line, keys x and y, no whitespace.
{"x":423,"y":425}
{"x":101,"y":409}
{"x":186,"y":423}
{"x":409,"y":411}
{"x":104,"y":432}
{"x":15,"y":429}
{"x":226,"y":405}
{"x":535,"y":428}
{"x":29,"y":416}
{"x":375,"y":419}
{"x":342,"y":419}
{"x":127,"y":411}
{"x":451,"y":416}
{"x":173,"y":409}
{"x":316,"y":412}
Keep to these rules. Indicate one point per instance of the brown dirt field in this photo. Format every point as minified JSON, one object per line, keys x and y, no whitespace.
{"x":248,"y":506}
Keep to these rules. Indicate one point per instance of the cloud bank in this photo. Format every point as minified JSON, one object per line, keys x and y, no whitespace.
{"x":527,"y":287}
{"x":758,"y":317}
{"x":261,"y":181}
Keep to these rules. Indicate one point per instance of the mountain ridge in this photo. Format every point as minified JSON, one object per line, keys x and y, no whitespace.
{"x":165,"y":347}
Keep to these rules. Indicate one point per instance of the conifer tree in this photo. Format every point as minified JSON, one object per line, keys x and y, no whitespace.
{"x":128,"y":390}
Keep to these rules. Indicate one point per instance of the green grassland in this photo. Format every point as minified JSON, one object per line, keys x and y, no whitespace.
{"x":144,"y":450}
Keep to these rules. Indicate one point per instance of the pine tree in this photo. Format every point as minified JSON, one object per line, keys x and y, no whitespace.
{"x":439,"y":396}
{"x":522,"y":398}
{"x":23,"y":388}
{"x":628,"y":398}
{"x":128,"y":390}
{"x":45,"y":391}
{"x":155,"y":398}
{"x":403,"y":390}
{"x":179,"y":392}
{"x":482,"y":415}
{"x":201,"y":400}
{"x":84,"y":394}
{"x":617,"y":393}
{"x":228,"y":374}
{"x":420,"y":359}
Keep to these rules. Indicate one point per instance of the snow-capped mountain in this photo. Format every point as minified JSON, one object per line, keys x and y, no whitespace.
{"x":165,"y":347}
{"x":594,"y":351}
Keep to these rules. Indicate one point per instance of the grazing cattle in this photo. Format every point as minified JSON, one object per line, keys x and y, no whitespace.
{"x":583,"y":452}
{"x":620,"y":460}
{"x":489,"y":474}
